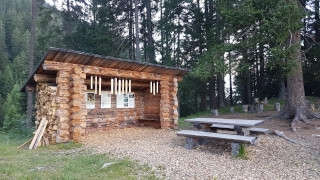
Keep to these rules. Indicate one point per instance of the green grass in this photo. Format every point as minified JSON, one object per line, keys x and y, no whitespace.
{"x":63,"y":161}
{"x":243,"y":152}
{"x":183,"y":125}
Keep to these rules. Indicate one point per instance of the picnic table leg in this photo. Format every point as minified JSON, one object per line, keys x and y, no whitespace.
{"x":238,"y":129}
{"x":242,"y":131}
{"x":205,"y":127}
{"x":191,"y":143}
{"x":235,"y":149}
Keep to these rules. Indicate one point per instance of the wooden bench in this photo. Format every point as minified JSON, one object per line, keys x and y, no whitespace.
{"x":259,"y":131}
{"x":221,"y":126}
{"x":195,"y":138}
{"x":153,"y":122}
{"x":239,"y":130}
{"x":218,"y":136}
{"x":252,"y":130}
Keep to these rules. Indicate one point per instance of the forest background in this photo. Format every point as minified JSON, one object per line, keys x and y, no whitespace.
{"x":215,"y":39}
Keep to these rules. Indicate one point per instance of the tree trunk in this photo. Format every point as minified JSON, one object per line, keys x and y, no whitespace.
{"x":296,"y":102}
{"x":262,"y":77}
{"x":150,"y":46}
{"x":31,"y":59}
{"x":203,"y":101}
{"x":131,"y":46}
{"x":137,"y":31}
{"x":295,"y":106}
{"x":230,"y":80}
{"x":212,"y":93}
{"x":282,"y":90}
{"x":317,"y":20}
{"x":221,"y":94}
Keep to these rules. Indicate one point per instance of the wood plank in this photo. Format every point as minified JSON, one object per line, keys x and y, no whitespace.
{"x":59,"y":56}
{"x":155,"y":123}
{"x":222,"y":126}
{"x":218,"y":136}
{"x":259,"y":131}
{"x":24,"y":143}
{"x":44,"y":78}
{"x":93,"y":70}
{"x":235,"y":122}
{"x":70,"y":57}
{"x":39,"y":133}
{"x":149,"y":119}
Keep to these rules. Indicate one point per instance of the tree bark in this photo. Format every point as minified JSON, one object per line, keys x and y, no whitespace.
{"x":296,"y":107}
{"x":137,"y":31}
{"x":282,"y":90}
{"x":221,"y":94}
{"x":31,"y":61}
{"x":317,"y":19}
{"x":203,"y":101}
{"x":150,"y":46}
{"x":212,"y":93}
{"x":131,"y":48}
{"x":262,"y":77}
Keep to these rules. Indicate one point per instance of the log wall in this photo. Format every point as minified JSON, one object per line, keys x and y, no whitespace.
{"x":100,"y":119}
{"x":71,"y":119}
{"x":77,"y":104}
{"x":63,"y":99}
{"x":151,"y":105}
{"x":169,"y":104}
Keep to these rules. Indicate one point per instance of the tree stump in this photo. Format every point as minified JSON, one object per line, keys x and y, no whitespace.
{"x":260,"y":107}
{"x":214,"y":112}
{"x":312,"y":107}
{"x":277,"y":106}
{"x":317,"y":104}
{"x":231,"y":109}
{"x":245,"y":108}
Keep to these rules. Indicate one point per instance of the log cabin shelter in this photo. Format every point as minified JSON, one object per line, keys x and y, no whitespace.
{"x":79,"y":93}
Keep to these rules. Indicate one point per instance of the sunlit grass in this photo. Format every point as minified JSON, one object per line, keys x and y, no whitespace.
{"x":63,"y":161}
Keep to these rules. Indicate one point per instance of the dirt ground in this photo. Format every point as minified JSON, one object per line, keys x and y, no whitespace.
{"x":307,"y":134}
{"x":272,"y":157}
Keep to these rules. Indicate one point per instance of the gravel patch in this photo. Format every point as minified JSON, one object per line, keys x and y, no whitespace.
{"x":271,"y":158}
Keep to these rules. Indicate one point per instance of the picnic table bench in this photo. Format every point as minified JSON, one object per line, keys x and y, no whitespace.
{"x":154,"y":122}
{"x":195,"y":138}
{"x":242,"y":127}
{"x":219,"y":136}
{"x":253,"y":130}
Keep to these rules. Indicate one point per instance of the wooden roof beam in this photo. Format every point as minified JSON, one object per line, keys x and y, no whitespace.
{"x":93,"y":70}
{"x":44,"y":78}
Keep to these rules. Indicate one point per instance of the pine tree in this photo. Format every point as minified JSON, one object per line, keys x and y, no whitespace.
{"x":12,"y":111}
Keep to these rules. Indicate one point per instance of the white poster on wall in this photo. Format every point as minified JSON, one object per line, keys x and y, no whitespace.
{"x":105,"y":99}
{"x":90,"y":100}
{"x":125,"y":100}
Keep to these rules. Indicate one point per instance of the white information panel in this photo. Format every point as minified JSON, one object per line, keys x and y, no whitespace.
{"x":105,"y":99}
{"x":125,"y":100}
{"x":90,"y":100}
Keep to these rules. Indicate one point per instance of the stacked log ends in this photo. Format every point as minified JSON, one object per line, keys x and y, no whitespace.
{"x":46,"y":107}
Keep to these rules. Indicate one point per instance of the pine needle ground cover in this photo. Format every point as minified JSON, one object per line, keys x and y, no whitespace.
{"x":64,"y":161}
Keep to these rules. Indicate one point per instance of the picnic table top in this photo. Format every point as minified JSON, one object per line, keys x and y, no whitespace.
{"x":235,"y":122}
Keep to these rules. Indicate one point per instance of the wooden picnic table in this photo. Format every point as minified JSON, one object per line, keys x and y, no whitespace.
{"x":239,"y":125}
{"x":234,"y":122}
